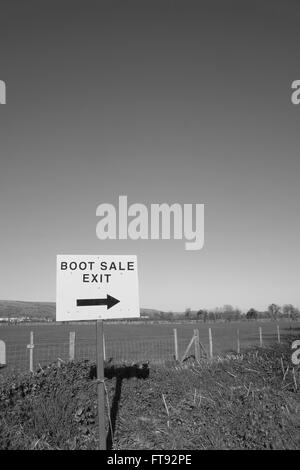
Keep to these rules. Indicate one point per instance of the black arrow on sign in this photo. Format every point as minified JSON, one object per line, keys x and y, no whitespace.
{"x":109,"y":302}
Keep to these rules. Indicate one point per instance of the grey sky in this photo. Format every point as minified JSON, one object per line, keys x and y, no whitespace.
{"x":163,"y":101}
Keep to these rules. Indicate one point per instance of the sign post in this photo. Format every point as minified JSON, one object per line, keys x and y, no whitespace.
{"x":97,"y":287}
{"x":100,"y":384}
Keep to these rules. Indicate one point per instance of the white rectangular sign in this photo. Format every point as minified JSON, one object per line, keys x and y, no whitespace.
{"x":96,"y":287}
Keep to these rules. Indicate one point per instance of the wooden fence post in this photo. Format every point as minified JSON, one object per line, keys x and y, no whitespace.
{"x":278,"y":333}
{"x":188,"y":348}
{"x":30,"y":346}
{"x":210,"y":343}
{"x":238,"y":342}
{"x":260,"y":337}
{"x":197,"y":345}
{"x":72,"y":346}
{"x":175,"y":343}
{"x":2,"y":353}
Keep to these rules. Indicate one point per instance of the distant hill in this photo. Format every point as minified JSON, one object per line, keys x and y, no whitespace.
{"x":150,"y":312}
{"x":11,"y":308}
{"x":14,"y":308}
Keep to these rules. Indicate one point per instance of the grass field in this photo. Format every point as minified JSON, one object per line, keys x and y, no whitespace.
{"x":136,"y":342}
{"x":224,"y":334}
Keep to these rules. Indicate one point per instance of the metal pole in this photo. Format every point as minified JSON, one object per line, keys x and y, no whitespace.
{"x":100,"y":384}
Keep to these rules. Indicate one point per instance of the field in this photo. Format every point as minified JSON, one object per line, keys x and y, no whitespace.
{"x":136,"y":342}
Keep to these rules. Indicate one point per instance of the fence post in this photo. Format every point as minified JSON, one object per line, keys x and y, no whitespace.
{"x":197,"y":345}
{"x":188,"y":348}
{"x":72,"y":346}
{"x":278,"y":333}
{"x":238,"y":341}
{"x":260,"y":337}
{"x":2,"y":353}
{"x":175,"y":343}
{"x":30,"y":346}
{"x":210,"y":343}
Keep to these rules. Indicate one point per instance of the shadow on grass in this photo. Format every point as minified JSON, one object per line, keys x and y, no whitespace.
{"x":120,"y":373}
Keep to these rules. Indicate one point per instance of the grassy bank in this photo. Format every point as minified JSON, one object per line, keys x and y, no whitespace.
{"x":250,"y":401}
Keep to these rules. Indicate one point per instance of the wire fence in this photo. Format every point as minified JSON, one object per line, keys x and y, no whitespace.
{"x":20,"y":358}
{"x":201,"y":342}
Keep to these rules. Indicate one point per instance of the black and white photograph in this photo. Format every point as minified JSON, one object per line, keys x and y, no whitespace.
{"x":149,"y":227}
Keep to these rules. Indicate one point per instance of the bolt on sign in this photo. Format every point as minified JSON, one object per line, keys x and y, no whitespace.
{"x":96,"y":287}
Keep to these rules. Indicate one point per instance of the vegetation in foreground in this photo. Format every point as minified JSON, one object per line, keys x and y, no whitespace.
{"x":250,"y":401}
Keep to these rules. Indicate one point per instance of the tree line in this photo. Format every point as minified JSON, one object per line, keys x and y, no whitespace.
{"x":229,"y":313}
